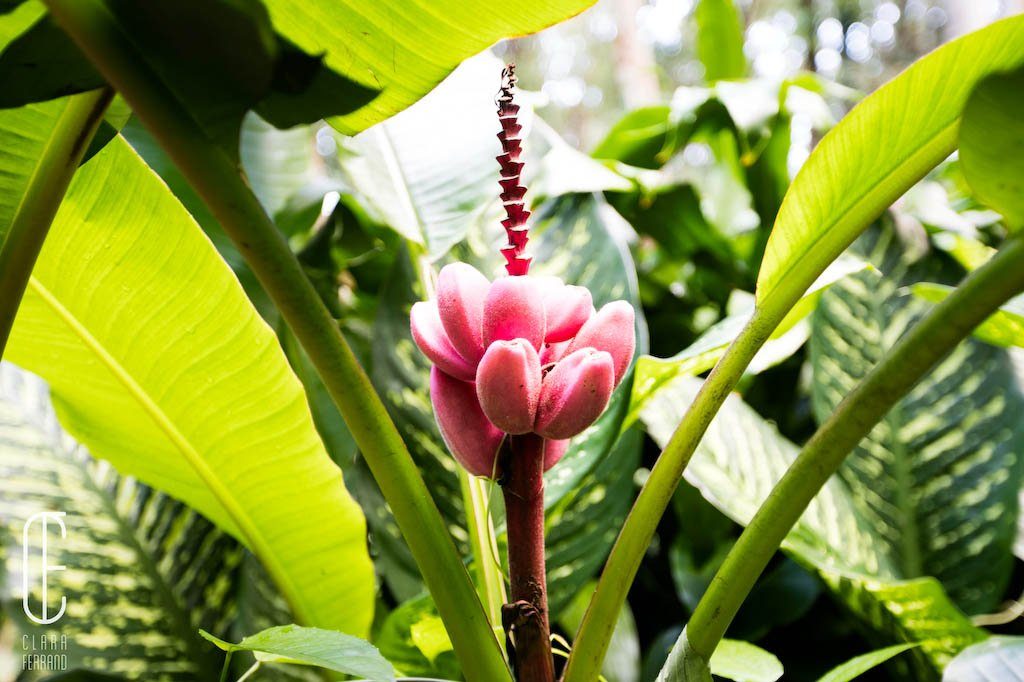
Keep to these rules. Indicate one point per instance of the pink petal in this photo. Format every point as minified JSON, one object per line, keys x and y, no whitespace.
{"x":461,"y":291}
{"x":429,"y":335}
{"x":553,"y":352}
{"x":514,"y":310}
{"x":610,"y":330}
{"x":472,"y":439}
{"x":508,"y":385}
{"x":554,"y":450}
{"x":566,"y":308}
{"x":575,"y":393}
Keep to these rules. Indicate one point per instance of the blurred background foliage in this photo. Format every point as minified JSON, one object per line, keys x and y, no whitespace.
{"x":662,"y":136}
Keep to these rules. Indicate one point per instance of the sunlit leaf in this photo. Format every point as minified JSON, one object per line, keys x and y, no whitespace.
{"x":857,"y":666}
{"x":150,"y":346}
{"x":881,"y":148}
{"x":744,"y":662}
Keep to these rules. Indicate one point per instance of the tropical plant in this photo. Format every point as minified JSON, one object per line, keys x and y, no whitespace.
{"x":250,"y":247}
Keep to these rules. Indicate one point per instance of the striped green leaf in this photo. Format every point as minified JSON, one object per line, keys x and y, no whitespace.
{"x":886,"y":144}
{"x":143,"y":570}
{"x":738,"y":462}
{"x":937,"y":478}
{"x":158,"y":363}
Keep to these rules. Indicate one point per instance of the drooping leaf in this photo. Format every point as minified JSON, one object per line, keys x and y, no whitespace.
{"x":143,"y":571}
{"x":875,"y":154}
{"x":857,"y":666}
{"x":313,"y":646}
{"x":744,"y":662}
{"x":149,"y":345}
{"x":735,"y":467}
{"x":992,"y":144}
{"x":405,"y":49}
{"x":937,"y":478}
{"x":720,"y":40}
{"x":1004,"y":328}
{"x":997,"y":659}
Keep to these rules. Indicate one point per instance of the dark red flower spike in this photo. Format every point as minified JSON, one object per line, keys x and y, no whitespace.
{"x":512,"y":189}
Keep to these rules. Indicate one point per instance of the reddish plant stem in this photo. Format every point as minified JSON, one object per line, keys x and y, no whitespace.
{"x":526,"y":618}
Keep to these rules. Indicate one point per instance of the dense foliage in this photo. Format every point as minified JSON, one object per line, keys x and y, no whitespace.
{"x":224,"y":186}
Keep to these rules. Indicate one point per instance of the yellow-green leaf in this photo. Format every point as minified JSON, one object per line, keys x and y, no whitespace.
{"x":158,"y":363}
{"x":881,"y":148}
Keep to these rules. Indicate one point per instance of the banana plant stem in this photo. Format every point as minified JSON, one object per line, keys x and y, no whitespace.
{"x":222,"y":186}
{"x":63,"y":151}
{"x":931,"y":339}
{"x":526,"y":618}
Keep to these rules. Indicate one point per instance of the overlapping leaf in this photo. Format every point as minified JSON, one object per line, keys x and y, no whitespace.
{"x":736,"y":465}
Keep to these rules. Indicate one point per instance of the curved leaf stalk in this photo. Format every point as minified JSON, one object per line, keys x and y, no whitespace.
{"x":222,"y":186}
{"x":69,"y":139}
{"x":595,"y":631}
{"x":980,"y":294}
{"x":775,"y":299}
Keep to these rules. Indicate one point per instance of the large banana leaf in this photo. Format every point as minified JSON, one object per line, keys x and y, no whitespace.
{"x":143,"y":571}
{"x":738,"y":462}
{"x":885,"y":145}
{"x":937,"y":478}
{"x":158,"y":363}
{"x":405,"y":49}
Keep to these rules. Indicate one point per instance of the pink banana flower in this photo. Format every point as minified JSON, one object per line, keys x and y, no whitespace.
{"x":522,"y":354}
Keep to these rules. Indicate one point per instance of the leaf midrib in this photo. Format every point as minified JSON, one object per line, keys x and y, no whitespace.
{"x":250,"y":534}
